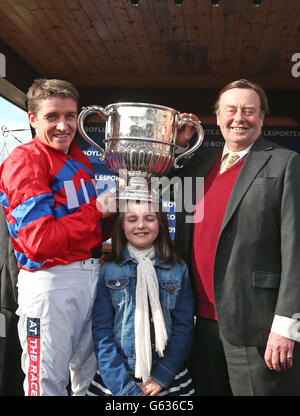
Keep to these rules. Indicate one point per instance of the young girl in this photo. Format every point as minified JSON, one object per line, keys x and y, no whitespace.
{"x":141,"y":350}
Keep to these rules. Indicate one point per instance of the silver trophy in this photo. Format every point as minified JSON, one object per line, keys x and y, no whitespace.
{"x":140,"y":142}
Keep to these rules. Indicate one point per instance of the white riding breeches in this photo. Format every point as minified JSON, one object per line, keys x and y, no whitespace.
{"x":55,"y":308}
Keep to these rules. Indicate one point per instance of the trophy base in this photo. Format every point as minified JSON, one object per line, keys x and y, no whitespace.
{"x":138,"y":189}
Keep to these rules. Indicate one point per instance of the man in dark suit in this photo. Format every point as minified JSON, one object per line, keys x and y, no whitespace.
{"x":243,"y":250}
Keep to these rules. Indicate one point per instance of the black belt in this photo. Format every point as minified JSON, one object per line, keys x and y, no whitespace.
{"x":96,"y":253}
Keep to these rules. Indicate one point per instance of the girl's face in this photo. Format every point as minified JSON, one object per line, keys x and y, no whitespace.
{"x":141,"y":225}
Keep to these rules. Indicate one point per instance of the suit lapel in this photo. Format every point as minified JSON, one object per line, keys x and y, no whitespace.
{"x":255,"y":160}
{"x":202,"y":169}
{"x":209,"y":161}
{"x":199,"y":166}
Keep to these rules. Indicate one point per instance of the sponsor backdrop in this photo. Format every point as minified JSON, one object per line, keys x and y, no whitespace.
{"x":288,"y":136}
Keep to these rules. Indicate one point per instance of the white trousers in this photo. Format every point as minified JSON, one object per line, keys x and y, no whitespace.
{"x":55,"y":307}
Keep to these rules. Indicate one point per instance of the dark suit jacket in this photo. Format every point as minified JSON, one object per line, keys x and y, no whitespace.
{"x":257,"y":260}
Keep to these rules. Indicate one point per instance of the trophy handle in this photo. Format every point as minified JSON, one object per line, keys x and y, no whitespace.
{"x":86,"y":111}
{"x":198,"y":143}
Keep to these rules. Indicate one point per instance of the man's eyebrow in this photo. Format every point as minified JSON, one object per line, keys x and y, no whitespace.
{"x":56,"y":112}
{"x":244,"y":106}
{"x":50,"y":113}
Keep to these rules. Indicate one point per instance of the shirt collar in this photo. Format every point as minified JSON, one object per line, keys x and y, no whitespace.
{"x":240,"y":153}
{"x":71,"y":147}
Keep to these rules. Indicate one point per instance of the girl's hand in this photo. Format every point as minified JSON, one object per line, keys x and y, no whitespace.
{"x":150,"y":388}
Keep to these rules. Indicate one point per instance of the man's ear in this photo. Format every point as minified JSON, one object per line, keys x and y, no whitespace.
{"x":31,"y":118}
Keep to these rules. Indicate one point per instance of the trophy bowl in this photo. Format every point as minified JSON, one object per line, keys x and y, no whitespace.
{"x":140,"y":139}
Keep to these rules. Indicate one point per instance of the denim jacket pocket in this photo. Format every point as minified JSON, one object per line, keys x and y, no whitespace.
{"x":168,"y":291}
{"x":119,"y":290}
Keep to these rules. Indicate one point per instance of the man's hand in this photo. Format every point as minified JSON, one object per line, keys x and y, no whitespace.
{"x":186,"y":130}
{"x":279,"y":352}
{"x":150,"y":388}
{"x":107,"y":203}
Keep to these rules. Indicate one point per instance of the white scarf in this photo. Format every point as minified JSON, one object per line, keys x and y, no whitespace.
{"x":147,"y":287}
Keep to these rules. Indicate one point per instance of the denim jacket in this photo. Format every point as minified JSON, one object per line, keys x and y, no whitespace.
{"x":113,"y":323}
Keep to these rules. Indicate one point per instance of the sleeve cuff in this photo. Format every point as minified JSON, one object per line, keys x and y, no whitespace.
{"x":162,"y":375}
{"x":131,"y":390}
{"x":286,"y":327}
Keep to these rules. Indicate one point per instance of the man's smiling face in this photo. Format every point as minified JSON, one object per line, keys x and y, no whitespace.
{"x":55,"y":123}
{"x":239,"y":117}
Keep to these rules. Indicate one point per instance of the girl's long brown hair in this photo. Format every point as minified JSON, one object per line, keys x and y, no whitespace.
{"x":164,"y":246}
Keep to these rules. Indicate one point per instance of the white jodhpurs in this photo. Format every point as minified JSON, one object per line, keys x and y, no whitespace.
{"x":55,"y":307}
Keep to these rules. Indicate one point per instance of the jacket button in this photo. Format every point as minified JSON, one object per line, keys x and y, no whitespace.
{"x":151,"y":319}
{"x":118,"y":283}
{"x":153,"y":346}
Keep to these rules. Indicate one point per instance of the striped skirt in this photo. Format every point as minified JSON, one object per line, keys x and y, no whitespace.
{"x":180,"y":386}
